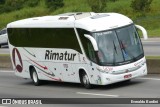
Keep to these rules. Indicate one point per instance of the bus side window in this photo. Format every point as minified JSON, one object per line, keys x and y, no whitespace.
{"x":91,"y":52}
{"x":87,"y":46}
{"x":61,"y":38}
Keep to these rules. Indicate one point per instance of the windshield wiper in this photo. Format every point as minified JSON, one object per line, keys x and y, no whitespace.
{"x":114,"y":51}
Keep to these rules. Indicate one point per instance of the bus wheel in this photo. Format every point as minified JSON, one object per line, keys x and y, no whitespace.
{"x":85,"y":81}
{"x":35,"y":78}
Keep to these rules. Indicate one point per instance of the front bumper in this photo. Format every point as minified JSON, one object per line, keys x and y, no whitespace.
{"x":113,"y":78}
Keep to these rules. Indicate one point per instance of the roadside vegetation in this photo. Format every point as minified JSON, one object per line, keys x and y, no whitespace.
{"x":153,"y":57}
{"x":142,"y":12}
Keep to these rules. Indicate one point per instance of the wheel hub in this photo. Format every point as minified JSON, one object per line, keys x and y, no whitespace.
{"x":35,"y":79}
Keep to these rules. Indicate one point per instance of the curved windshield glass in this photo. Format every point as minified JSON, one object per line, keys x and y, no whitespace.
{"x":119,"y":46}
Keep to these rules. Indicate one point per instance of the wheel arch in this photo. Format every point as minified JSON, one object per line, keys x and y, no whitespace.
{"x":81,"y":71}
{"x":30,"y":70}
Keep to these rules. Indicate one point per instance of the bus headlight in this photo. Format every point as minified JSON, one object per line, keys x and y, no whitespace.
{"x":101,"y":69}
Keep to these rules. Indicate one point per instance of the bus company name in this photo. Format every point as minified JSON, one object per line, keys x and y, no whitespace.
{"x":49,"y":55}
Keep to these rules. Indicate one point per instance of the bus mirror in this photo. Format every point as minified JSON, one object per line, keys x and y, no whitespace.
{"x":93,"y":41}
{"x":144,"y":32}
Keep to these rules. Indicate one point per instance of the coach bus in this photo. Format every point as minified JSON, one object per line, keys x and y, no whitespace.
{"x":88,"y":48}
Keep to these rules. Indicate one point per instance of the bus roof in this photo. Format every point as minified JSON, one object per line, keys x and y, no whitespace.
{"x":86,"y":20}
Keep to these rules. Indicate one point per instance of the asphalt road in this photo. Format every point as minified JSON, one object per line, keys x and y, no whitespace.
{"x":4,"y":51}
{"x":151,"y":47}
{"x":12,"y":86}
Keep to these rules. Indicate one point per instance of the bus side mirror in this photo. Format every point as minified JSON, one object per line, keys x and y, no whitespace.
{"x":93,"y":41}
{"x":144,"y":32}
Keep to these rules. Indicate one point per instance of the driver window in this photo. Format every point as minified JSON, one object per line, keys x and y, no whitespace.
{"x":87,"y":45}
{"x":91,"y":52}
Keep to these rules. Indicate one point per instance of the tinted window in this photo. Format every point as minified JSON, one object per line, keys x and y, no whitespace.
{"x":87,"y":46}
{"x":44,"y":38}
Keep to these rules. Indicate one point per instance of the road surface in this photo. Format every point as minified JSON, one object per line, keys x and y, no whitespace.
{"x":12,"y":86}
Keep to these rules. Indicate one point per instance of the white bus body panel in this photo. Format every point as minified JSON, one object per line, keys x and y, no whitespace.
{"x":68,"y":71}
{"x":55,"y":70}
{"x":136,"y":69}
{"x":104,"y":23}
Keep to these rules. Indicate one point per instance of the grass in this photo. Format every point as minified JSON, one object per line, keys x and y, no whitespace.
{"x":154,"y":32}
{"x":153,"y":57}
{"x":26,"y":12}
{"x":149,"y":20}
{"x":73,"y":6}
{"x":4,"y":54}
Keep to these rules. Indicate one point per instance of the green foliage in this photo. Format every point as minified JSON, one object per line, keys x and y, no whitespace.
{"x":31,"y":3}
{"x":97,"y":5}
{"x":54,"y":4}
{"x":113,"y":0}
{"x":12,"y":5}
{"x":2,"y":2}
{"x":141,"y":5}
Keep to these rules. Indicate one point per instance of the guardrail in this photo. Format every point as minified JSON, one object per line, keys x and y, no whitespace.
{"x":153,"y":64}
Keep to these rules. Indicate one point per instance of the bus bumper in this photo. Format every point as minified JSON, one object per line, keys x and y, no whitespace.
{"x":112,"y":78}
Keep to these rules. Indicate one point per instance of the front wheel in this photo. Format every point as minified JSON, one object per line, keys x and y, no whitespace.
{"x":85,"y":81}
{"x":35,"y":78}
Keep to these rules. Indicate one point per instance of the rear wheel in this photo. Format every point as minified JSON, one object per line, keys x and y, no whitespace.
{"x":85,"y":81}
{"x":35,"y":78}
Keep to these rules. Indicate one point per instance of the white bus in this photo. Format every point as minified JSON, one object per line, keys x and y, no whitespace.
{"x":87,"y":48}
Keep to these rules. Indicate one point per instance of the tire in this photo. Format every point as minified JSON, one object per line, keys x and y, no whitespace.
{"x":35,"y":78}
{"x":85,"y":81}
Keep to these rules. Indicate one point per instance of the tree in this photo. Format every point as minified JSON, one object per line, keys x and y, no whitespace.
{"x":31,"y":3}
{"x":54,"y":4}
{"x":113,"y":0}
{"x":2,"y":1}
{"x":14,"y":4}
{"x":97,"y":5}
{"x":141,"y":5}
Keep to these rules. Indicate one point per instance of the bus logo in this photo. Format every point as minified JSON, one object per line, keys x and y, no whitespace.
{"x":19,"y":67}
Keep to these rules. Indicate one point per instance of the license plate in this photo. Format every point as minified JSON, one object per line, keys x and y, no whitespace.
{"x":127,"y":76}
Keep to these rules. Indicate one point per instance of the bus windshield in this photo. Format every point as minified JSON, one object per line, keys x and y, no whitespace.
{"x":119,"y":46}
